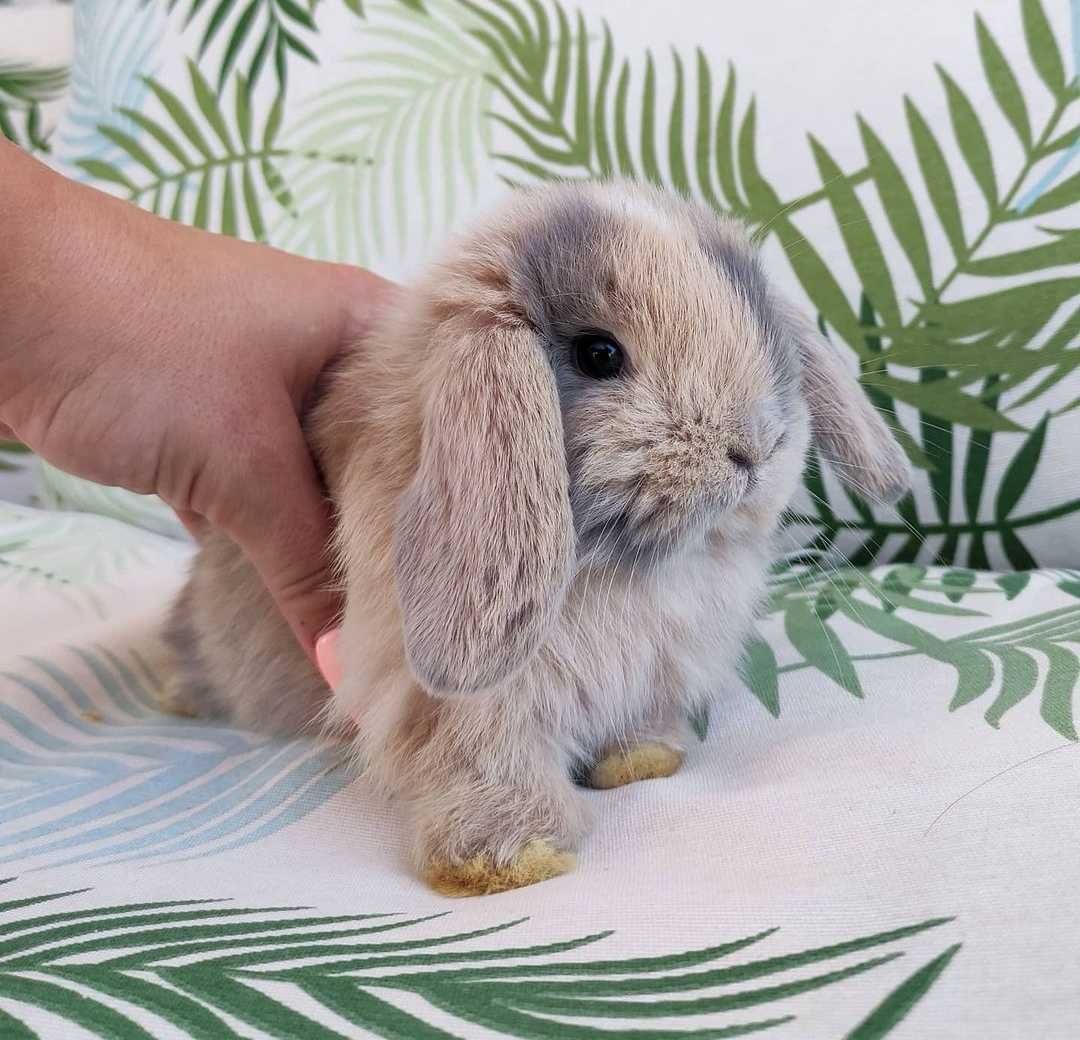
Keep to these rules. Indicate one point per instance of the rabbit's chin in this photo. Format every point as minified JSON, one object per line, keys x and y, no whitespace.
{"x":624,"y":539}
{"x":624,"y":545}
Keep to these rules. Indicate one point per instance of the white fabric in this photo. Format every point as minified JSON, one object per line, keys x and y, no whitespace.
{"x":838,"y":819}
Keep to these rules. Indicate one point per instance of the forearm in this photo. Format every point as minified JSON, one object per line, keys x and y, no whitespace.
{"x":78,"y":278}
{"x":88,"y":280}
{"x":64,"y":282}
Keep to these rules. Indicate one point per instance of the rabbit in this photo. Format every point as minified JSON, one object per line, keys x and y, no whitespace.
{"x":558,"y":466}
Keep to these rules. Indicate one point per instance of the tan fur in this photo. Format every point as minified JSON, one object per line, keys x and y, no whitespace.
{"x":537,"y":861}
{"x":540,"y":567}
{"x":648,"y":761}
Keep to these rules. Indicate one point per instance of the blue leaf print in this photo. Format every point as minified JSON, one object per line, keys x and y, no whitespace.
{"x":91,"y":771}
{"x":117,"y":42}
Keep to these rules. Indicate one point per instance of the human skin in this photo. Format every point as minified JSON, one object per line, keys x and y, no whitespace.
{"x":144,"y":354}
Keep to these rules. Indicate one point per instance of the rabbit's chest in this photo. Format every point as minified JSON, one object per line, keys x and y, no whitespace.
{"x":631,"y":646}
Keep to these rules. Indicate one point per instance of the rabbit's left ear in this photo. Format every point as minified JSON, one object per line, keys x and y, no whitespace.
{"x":846,"y":426}
{"x":484,"y":545}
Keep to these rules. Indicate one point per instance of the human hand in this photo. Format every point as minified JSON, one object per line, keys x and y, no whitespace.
{"x":144,"y":354}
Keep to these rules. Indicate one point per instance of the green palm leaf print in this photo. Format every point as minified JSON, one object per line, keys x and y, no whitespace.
{"x":202,"y":163}
{"x":1001,"y":662}
{"x":252,"y":32}
{"x":24,"y":88}
{"x":581,"y":111}
{"x":966,"y":361}
{"x":407,"y":129}
{"x":199,"y":965}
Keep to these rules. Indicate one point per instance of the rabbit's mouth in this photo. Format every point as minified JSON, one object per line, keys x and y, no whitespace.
{"x":642,"y":520}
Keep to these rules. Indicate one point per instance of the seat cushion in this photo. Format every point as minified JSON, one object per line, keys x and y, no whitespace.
{"x":873,"y":837}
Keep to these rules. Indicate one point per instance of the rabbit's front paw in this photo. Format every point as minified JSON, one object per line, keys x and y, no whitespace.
{"x":474,"y":842}
{"x":482,"y":875}
{"x":648,"y":761}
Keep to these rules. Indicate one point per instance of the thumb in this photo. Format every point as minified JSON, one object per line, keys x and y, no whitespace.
{"x":283,"y":524}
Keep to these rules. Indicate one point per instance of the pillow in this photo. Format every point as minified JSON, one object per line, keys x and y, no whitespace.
{"x":915,"y":186}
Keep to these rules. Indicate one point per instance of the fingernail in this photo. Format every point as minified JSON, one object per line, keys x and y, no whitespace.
{"x":326,"y":656}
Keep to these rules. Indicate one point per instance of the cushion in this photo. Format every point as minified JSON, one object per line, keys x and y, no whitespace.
{"x":917,"y":198}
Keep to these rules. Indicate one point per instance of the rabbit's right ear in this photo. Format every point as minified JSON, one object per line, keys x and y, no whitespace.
{"x":484,"y":544}
{"x":846,"y":425}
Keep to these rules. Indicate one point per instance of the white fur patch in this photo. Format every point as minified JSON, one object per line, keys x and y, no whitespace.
{"x":634,"y":204}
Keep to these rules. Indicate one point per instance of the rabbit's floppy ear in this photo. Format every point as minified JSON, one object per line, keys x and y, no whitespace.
{"x":846,"y":426}
{"x":484,"y":544}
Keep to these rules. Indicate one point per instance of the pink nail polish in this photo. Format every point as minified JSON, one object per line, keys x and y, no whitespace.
{"x":326,"y":654}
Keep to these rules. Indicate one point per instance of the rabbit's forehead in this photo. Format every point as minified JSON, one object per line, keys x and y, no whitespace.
{"x":631,"y":203}
{"x":681,"y":289}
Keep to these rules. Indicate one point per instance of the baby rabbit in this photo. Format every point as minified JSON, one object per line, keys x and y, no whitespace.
{"x":558,"y":467}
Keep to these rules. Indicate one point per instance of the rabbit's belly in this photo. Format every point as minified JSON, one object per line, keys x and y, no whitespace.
{"x":630,"y":651}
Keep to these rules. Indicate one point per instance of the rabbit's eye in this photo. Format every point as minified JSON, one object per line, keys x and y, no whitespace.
{"x":598,"y":356}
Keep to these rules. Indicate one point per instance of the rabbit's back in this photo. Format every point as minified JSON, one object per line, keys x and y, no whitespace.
{"x":234,"y":654}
